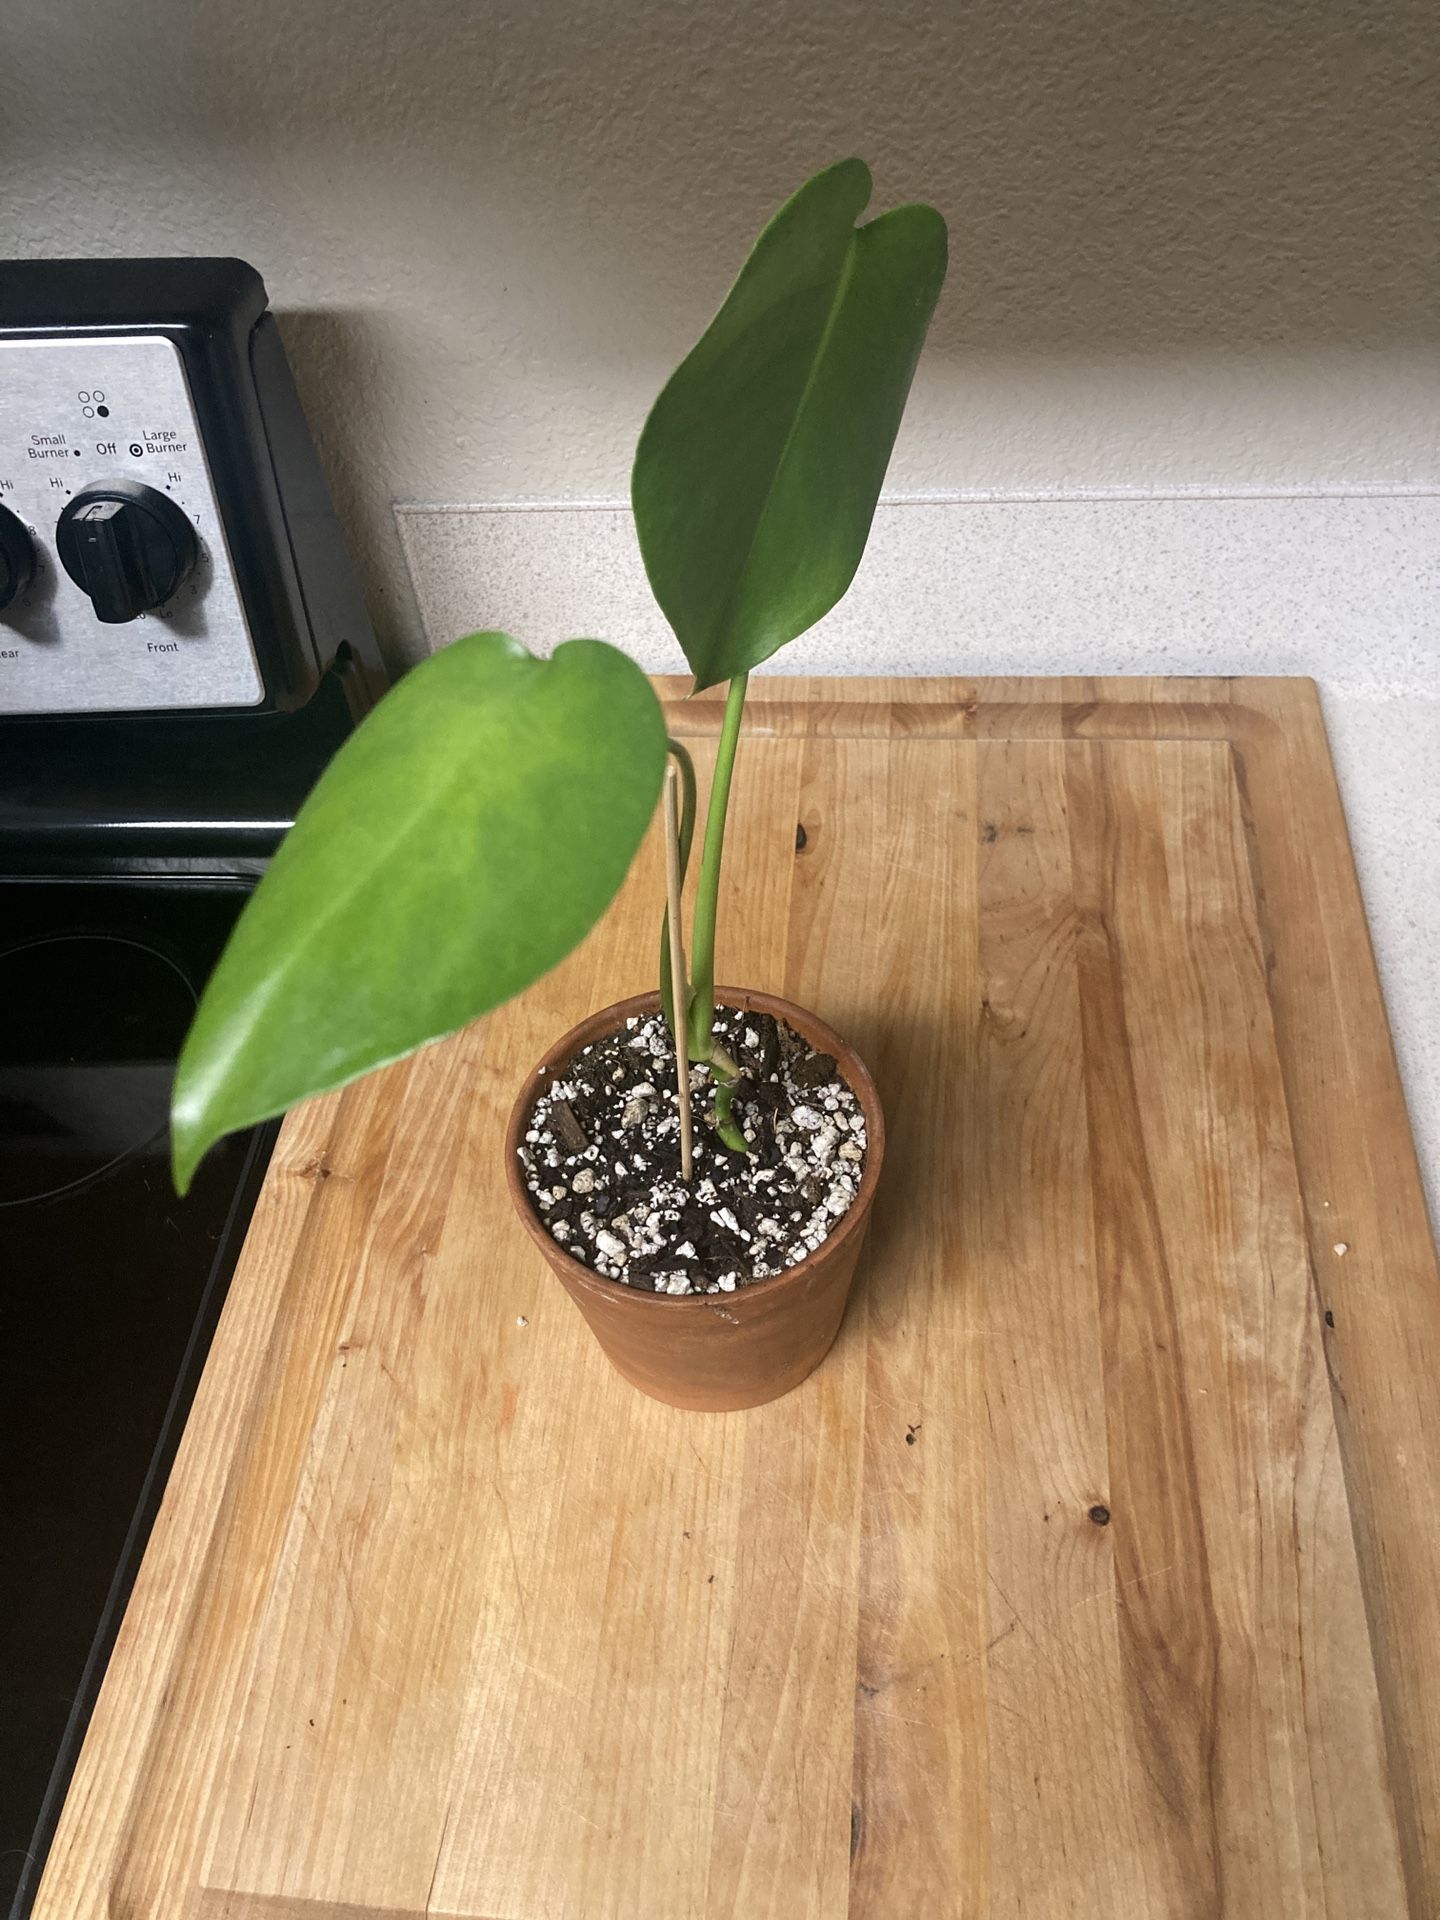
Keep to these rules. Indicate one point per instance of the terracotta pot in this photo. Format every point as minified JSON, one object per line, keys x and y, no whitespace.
{"x":713,"y":1352}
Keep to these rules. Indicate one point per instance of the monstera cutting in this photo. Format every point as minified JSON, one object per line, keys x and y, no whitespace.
{"x":482,"y":818}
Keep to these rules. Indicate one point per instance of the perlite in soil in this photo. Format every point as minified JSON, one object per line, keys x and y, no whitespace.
{"x":602,"y":1159}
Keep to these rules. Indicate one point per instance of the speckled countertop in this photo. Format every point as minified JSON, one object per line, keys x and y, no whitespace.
{"x":1342,"y":586}
{"x":1387,"y":754}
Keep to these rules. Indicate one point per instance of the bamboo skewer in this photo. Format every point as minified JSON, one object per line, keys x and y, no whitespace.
{"x":679,"y":995}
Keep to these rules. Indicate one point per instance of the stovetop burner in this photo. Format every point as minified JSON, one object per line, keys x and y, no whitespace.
{"x":85,"y":1082}
{"x":109,"y":1291}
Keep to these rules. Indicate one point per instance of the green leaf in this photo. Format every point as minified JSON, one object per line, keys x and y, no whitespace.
{"x":758,"y":469}
{"x":462,"y":841}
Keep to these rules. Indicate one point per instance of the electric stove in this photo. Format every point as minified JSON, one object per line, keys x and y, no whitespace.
{"x":182,"y":648}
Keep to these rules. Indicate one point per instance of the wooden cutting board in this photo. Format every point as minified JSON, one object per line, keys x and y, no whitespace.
{"x":1097,"y":1572}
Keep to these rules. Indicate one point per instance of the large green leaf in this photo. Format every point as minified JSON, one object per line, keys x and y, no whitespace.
{"x":759,"y":467}
{"x":463,"y":840}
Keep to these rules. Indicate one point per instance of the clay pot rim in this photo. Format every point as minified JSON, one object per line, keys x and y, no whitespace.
{"x":639,"y":1300}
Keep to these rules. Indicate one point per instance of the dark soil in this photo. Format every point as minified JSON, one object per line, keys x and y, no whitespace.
{"x":602,"y":1158}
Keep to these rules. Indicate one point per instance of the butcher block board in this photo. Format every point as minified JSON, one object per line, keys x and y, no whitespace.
{"x":1097,"y":1571}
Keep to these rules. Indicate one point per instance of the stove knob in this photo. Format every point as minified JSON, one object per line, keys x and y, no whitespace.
{"x":125,"y":545}
{"x":17,"y":557}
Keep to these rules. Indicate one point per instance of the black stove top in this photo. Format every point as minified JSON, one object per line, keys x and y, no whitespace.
{"x":147,"y":775}
{"x":110,"y":1288}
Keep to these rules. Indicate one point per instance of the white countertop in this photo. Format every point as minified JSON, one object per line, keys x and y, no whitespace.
{"x":1342,"y":586}
{"x":1386,"y":748}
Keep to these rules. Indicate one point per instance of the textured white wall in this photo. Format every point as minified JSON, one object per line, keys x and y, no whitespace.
{"x":1190,"y":244}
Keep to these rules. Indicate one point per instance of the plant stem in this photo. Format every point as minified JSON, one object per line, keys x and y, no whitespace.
{"x":677,"y":961}
{"x":687,"y":831}
{"x":726,"y":1125}
{"x":702,"y":943}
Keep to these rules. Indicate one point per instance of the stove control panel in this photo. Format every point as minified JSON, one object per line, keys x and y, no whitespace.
{"x":117,"y":591}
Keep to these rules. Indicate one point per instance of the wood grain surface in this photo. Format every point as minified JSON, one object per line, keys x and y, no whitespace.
{"x":1097,"y":1572}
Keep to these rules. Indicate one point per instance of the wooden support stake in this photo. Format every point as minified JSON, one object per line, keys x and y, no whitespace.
{"x":679,"y":995}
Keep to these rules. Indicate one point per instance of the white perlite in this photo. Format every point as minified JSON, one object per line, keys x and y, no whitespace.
{"x":601,"y":1160}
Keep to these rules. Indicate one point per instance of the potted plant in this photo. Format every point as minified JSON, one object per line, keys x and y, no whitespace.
{"x":481,"y":819}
